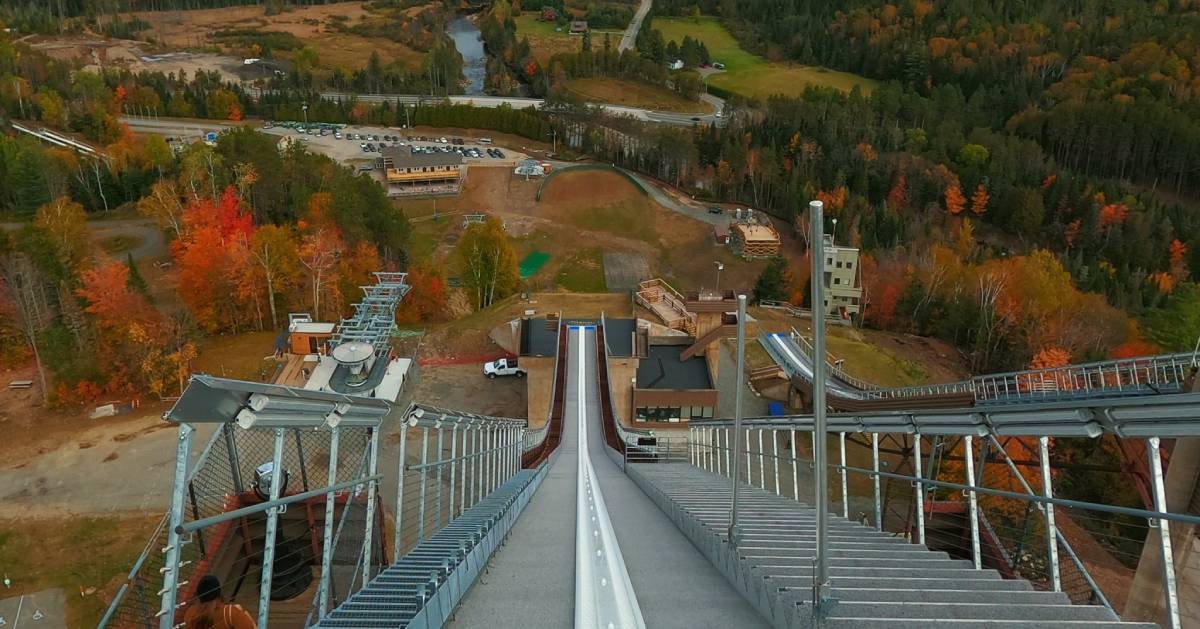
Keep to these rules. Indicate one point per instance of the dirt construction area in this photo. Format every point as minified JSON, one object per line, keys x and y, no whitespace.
{"x":314,"y":25}
{"x":584,"y":209}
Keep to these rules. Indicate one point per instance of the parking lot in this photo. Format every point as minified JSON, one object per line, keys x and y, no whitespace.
{"x":362,"y":145}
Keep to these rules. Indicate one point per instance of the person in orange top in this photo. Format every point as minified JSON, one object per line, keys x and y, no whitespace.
{"x":208,"y":611}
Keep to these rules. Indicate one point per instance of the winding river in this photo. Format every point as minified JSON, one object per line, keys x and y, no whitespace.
{"x":470,"y":45}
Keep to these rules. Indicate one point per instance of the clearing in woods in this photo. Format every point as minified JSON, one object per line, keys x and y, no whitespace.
{"x":635,"y":94}
{"x":86,"y":556}
{"x":580,"y":209}
{"x":748,"y":74}
{"x":314,"y":25}
{"x":546,"y":42}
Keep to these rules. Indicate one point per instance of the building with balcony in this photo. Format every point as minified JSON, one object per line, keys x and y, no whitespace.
{"x":843,"y":292}
{"x":408,"y":172}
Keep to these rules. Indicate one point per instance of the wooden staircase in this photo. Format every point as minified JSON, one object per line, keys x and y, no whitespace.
{"x":667,"y":304}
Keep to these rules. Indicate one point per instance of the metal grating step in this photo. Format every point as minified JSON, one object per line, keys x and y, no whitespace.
{"x":402,"y":592}
{"x":879,"y":580}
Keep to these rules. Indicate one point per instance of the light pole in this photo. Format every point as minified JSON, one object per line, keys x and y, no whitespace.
{"x":554,"y":136}
{"x":720,"y":267}
{"x":304,"y":107}
{"x":820,"y":471}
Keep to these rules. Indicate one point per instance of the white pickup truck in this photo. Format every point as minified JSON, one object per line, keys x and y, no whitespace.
{"x":503,"y":367}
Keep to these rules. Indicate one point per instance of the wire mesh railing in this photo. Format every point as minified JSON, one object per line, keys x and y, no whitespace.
{"x":449,"y":461}
{"x":226,"y":530}
{"x":985,"y":499}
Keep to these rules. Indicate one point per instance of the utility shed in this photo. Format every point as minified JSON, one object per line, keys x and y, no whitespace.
{"x":309,"y":337}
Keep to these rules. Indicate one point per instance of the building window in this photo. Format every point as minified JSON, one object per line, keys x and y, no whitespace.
{"x":839,"y":264}
{"x":849,"y":265}
{"x":828,"y":261}
{"x":837,"y":281}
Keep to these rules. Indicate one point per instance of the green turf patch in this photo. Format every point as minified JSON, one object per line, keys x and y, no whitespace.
{"x":533,"y":263}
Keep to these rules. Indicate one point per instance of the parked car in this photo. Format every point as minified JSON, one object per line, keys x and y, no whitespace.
{"x":503,"y":367}
{"x":718,"y":66}
{"x":713,"y":209}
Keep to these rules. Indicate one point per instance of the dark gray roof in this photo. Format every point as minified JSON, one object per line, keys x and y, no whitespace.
{"x":662,"y":369}
{"x":536,"y":339}
{"x":403,"y":157}
{"x":619,"y":336}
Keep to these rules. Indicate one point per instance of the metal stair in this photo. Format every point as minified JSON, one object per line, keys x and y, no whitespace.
{"x":426,"y":584}
{"x":877,"y":579}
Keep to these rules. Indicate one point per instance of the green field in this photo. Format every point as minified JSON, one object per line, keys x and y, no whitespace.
{"x":748,"y":74}
{"x":584,"y":272}
{"x":545,"y":40}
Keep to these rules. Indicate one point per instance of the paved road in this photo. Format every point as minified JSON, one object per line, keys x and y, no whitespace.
{"x":631,"y":31}
{"x":647,"y":115}
{"x":662,"y":197}
{"x":150,"y":240}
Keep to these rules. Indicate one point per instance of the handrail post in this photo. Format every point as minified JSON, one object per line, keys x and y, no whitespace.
{"x":372,"y":488}
{"x":845,"y":484}
{"x":424,"y":483}
{"x":400,"y":468}
{"x":920,"y":489}
{"x":453,"y":470}
{"x":175,"y":519}
{"x":795,"y":469}
{"x":973,"y":503}
{"x":737,"y":416}
{"x":1164,"y":536}
{"x":1051,"y":530}
{"x":327,"y":533}
{"x":268,"y":561}
{"x":821,"y":588}
{"x":875,"y":481}
{"x":775,"y":458}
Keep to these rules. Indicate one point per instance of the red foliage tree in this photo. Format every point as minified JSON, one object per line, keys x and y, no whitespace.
{"x":427,"y":299}
{"x":110,"y":300}
{"x":897,"y":197}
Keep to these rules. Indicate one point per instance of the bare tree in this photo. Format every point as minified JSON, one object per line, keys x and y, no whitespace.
{"x":24,"y":288}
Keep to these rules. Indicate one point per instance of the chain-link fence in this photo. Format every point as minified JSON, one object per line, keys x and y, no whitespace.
{"x":228,"y":529}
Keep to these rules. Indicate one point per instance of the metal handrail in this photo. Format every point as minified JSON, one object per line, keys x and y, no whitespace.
{"x":1122,"y":376}
{"x":1176,"y":415}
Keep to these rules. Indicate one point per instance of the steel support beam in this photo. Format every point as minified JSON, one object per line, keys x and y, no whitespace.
{"x":737,"y":416}
{"x":327,"y":531}
{"x":1163,"y":528}
{"x":268,"y":560}
{"x":821,"y":587}
{"x":170,"y":589}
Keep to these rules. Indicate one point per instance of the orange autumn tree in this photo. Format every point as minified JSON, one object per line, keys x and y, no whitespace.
{"x":207,"y":254}
{"x":427,"y":299}
{"x":1178,"y":260}
{"x":141,"y":350}
{"x":979,"y":200}
{"x":955,"y":201}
